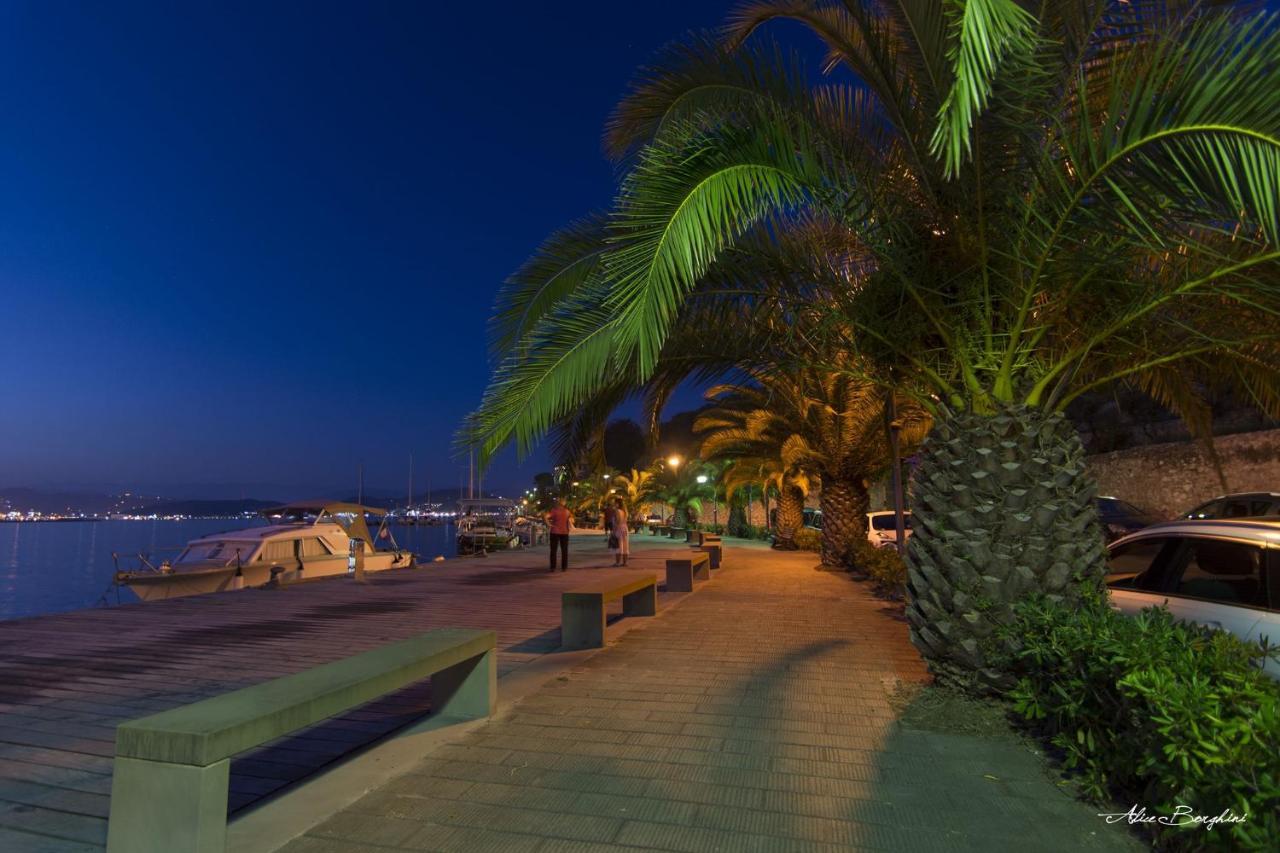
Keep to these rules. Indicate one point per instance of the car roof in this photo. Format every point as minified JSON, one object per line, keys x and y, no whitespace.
{"x":1236,"y":495}
{"x":1263,"y":530}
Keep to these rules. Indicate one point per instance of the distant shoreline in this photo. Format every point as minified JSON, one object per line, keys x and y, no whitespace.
{"x":133,"y":518}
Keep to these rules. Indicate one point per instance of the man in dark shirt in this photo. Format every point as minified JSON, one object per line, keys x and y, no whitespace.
{"x":559,"y":520}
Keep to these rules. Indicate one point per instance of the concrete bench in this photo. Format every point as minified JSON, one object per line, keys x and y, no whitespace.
{"x":675,"y":532}
{"x":681,"y":573}
{"x":582,"y":617}
{"x":705,"y":538}
{"x":713,"y":551}
{"x":691,"y":534}
{"x":169,"y":789}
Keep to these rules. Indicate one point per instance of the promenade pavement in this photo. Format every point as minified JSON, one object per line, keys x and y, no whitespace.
{"x":760,"y":713}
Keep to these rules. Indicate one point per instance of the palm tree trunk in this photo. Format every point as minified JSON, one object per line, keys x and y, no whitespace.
{"x":790,"y":515}
{"x":844,"y":505}
{"x":1002,"y":509}
{"x":736,"y":525}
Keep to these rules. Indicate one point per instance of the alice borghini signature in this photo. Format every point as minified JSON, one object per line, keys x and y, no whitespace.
{"x":1182,"y":816}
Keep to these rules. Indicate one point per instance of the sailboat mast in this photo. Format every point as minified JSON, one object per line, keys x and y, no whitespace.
{"x":410,"y":481}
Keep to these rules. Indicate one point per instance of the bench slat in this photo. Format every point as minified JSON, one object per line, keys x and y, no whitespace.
{"x":613,"y":588}
{"x":208,"y":731}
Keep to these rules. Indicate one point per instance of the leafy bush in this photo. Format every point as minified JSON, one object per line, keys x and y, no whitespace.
{"x":1158,"y":713}
{"x":808,"y":539}
{"x":884,"y":566}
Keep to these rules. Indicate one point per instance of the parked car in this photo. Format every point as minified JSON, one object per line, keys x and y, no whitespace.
{"x":1120,"y":518}
{"x":813,"y":518}
{"x":1241,"y":505}
{"x":1223,"y":574}
{"x":882,"y":528}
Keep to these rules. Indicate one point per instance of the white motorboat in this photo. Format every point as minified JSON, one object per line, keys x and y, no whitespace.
{"x":305,"y":541}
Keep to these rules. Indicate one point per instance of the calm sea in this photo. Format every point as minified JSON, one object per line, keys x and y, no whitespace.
{"x":48,"y":567}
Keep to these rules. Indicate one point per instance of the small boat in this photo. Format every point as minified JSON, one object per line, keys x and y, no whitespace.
{"x":487,"y":524}
{"x":306,"y":540}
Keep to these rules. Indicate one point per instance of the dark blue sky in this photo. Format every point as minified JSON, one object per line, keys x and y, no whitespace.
{"x":255,"y":244}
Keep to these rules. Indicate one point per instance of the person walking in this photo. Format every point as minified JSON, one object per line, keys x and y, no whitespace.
{"x":559,"y":520}
{"x":620,"y":538}
{"x":609,"y":521}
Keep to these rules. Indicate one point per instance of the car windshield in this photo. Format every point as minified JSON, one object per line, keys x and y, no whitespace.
{"x":1112,"y":505}
{"x":887,"y":522}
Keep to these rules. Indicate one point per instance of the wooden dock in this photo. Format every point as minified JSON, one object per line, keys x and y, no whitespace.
{"x":67,"y":680}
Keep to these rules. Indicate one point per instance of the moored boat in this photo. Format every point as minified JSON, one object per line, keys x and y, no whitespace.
{"x":306,"y":540}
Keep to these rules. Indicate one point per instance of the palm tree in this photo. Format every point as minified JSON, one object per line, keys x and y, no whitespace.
{"x":1018,"y":207}
{"x":766,"y":468}
{"x":638,"y":489}
{"x":817,"y":423}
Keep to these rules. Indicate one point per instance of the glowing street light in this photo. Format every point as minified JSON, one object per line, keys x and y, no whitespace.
{"x":702,"y":479}
{"x":673,"y":461}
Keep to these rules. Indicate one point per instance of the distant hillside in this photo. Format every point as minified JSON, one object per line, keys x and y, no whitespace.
{"x":23,"y":499}
{"x":205,"y":508}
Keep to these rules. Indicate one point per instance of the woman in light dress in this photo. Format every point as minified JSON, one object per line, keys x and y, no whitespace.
{"x":621,"y":535}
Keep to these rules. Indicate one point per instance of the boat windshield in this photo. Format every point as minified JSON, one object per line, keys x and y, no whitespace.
{"x":215,"y":551}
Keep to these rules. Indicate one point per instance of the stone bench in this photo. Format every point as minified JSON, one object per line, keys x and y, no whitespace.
{"x":713,"y":551}
{"x":582,"y":609}
{"x":682,"y":572}
{"x":705,"y":538}
{"x":691,"y":534}
{"x":169,"y":788}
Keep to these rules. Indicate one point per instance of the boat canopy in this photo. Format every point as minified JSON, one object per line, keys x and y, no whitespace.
{"x":330,"y":510}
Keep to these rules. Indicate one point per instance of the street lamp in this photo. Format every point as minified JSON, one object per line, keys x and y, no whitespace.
{"x":702,"y":479}
{"x":673,"y":461}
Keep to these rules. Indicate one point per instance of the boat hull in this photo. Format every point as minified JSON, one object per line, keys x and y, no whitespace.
{"x":156,"y":586}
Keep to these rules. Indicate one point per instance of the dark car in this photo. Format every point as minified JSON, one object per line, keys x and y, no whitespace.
{"x":1241,"y":505}
{"x":1120,"y":518}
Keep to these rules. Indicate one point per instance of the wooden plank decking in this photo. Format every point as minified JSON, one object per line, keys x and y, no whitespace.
{"x":67,"y":680}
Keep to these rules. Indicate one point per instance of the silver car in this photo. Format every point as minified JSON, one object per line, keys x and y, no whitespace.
{"x":1222,"y":574}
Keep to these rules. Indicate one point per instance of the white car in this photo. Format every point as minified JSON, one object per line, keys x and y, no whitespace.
{"x":1222,"y":574}
{"x":882,"y":529}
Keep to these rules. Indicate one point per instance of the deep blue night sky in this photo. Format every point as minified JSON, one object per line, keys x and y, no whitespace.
{"x":247,"y":247}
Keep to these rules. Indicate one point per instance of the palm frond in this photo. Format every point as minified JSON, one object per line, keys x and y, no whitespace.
{"x":983,"y":34}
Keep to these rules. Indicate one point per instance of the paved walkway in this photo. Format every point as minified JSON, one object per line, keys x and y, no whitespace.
{"x":67,"y":680}
{"x":754,"y":716}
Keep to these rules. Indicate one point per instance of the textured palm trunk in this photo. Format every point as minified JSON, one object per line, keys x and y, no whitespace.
{"x":790,"y":515}
{"x":736,"y":525}
{"x":1002,"y":509}
{"x":844,"y":505}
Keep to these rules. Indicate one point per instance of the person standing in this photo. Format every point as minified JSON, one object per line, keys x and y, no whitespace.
{"x":559,"y":520}
{"x":620,"y":538}
{"x":609,"y":521}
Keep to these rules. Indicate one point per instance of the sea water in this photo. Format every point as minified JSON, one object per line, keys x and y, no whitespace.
{"x":54,"y":566}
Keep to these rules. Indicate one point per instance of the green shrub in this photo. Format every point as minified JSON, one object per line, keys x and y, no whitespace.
{"x":1157,"y":713}
{"x":808,"y":539}
{"x":883,"y":566}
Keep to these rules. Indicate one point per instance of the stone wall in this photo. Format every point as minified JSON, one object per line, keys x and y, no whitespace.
{"x":1169,"y":479}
